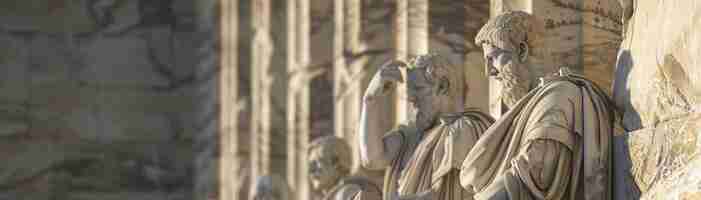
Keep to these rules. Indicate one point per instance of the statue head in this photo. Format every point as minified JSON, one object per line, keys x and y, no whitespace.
{"x":269,"y":187}
{"x":329,"y":161}
{"x":510,"y":42}
{"x":434,"y":87}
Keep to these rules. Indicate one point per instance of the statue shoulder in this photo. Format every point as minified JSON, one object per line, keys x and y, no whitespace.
{"x":470,"y":120}
{"x":557,"y":90}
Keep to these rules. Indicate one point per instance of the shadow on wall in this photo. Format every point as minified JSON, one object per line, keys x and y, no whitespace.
{"x":624,"y":185}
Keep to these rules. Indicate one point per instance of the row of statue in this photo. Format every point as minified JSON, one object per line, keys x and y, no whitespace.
{"x":553,"y":140}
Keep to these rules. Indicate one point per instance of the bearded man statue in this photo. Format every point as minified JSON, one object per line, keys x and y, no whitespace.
{"x":330,"y":163}
{"x":422,"y":156}
{"x":554,"y":141}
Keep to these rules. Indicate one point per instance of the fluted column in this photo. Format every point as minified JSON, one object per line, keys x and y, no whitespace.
{"x":401,"y":45}
{"x":262,"y":47}
{"x":229,"y":104}
{"x":298,"y":99}
{"x":418,"y":27}
{"x":348,"y":73}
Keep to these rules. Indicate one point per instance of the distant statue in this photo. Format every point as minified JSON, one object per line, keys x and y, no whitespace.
{"x":269,"y":187}
{"x":330,"y":162}
{"x":554,"y":141}
{"x":423,"y":155}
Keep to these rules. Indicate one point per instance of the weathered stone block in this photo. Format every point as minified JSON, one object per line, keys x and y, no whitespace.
{"x":657,"y":70}
{"x":53,"y":59}
{"x":683,"y":184}
{"x":13,"y":119}
{"x":660,"y":155}
{"x":125,"y":61}
{"x":87,"y":166}
{"x":14,"y":65}
{"x":47,"y":16}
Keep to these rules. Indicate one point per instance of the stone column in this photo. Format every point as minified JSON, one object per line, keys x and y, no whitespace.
{"x":411,"y":32}
{"x":348,"y":74}
{"x":417,"y":27}
{"x":401,"y":45}
{"x":339,"y":66}
{"x":298,"y":102}
{"x":582,"y":35}
{"x":229,"y":104}
{"x":261,"y":80}
{"x":292,"y":135}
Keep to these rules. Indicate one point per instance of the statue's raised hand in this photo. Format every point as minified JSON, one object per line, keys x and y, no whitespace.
{"x":384,"y":79}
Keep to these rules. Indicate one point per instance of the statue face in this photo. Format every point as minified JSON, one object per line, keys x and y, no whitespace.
{"x":323,"y":169}
{"x":424,"y":102}
{"x":511,"y":73}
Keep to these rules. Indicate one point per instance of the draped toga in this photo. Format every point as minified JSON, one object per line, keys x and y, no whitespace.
{"x":555,"y":143}
{"x":430,"y":161}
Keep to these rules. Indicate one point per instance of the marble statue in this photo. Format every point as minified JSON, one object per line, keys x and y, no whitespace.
{"x":269,"y":187}
{"x":554,"y":142}
{"x":422,"y":156}
{"x":330,"y":163}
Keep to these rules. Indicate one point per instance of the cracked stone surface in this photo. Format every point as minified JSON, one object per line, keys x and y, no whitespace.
{"x":658,"y":89}
{"x":101,"y":107}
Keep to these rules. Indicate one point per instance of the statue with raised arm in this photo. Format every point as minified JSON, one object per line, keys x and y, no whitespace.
{"x":269,"y":187}
{"x":330,"y":163}
{"x":554,"y":141}
{"x":423,"y":155}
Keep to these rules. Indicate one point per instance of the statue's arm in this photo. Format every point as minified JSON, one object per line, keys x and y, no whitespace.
{"x":543,"y":171}
{"x":349,"y":192}
{"x":543,"y":168}
{"x":377,"y":151}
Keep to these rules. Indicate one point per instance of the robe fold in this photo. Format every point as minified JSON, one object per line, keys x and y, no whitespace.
{"x":555,"y":143}
{"x":432,"y":161}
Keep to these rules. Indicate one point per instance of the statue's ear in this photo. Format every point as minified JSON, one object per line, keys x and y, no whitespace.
{"x":443,"y":86}
{"x":523,"y":51}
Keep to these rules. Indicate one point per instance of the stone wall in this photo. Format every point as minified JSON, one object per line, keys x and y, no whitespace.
{"x":658,"y":87}
{"x":97,"y":99}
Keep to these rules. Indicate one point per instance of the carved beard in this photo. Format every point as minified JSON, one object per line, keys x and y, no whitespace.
{"x":421,"y":115}
{"x":514,"y":86}
{"x":325,"y":178}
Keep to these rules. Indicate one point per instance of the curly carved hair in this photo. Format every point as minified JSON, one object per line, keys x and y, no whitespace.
{"x":336,"y":148}
{"x":439,"y":70}
{"x":508,"y":30}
